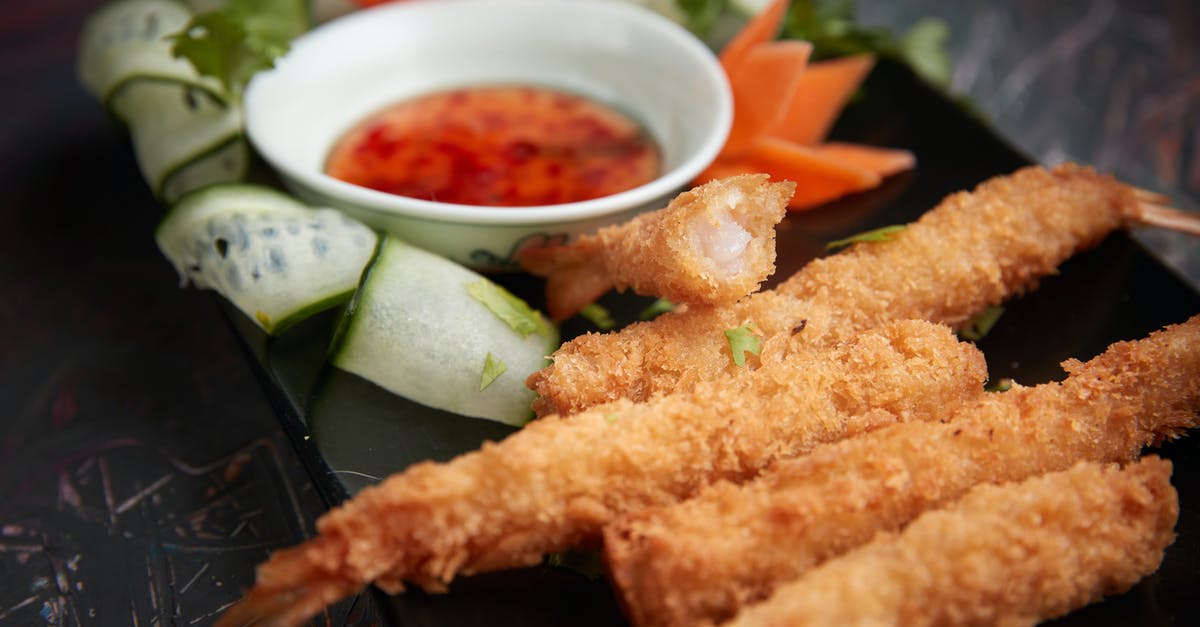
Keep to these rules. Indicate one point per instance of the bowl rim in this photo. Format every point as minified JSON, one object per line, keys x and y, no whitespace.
{"x":388,"y":204}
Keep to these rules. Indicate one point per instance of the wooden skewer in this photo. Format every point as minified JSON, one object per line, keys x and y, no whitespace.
{"x":1150,"y":196}
{"x":1152,"y":214}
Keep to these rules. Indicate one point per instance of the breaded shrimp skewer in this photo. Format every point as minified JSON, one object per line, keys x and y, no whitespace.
{"x":554,"y":484}
{"x":973,"y":250}
{"x":681,"y":565}
{"x":1013,"y":554}
{"x":711,"y":245}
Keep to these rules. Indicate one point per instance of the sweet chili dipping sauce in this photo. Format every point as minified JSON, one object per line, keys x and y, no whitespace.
{"x":502,"y":146}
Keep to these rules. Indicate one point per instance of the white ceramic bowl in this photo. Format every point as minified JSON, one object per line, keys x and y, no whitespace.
{"x":613,"y":52}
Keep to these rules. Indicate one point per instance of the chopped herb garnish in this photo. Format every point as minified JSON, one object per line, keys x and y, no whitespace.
{"x":978,"y":327}
{"x":516,"y":313}
{"x":1000,"y":385}
{"x":587,"y":563}
{"x":656,"y":309}
{"x":881,"y":234}
{"x":599,"y":316}
{"x":742,"y":340}
{"x":240,"y":39}
{"x":492,"y":368}
{"x":701,"y":14}
{"x":831,"y":28}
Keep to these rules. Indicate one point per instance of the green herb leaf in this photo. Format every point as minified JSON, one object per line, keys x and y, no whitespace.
{"x":244,"y":37}
{"x":656,"y":309}
{"x":742,"y":340}
{"x":701,"y":14}
{"x":1000,"y":385}
{"x":924,"y":49}
{"x":590,"y":564}
{"x":516,"y":313}
{"x":599,"y":316}
{"x":492,"y":368}
{"x":979,"y":326}
{"x":830,"y":26}
{"x":881,"y":234}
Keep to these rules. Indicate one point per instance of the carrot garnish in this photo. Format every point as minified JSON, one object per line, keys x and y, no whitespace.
{"x":783,"y":109}
{"x":761,"y":29}
{"x":819,"y":178}
{"x":766,"y":79}
{"x":821,"y":92}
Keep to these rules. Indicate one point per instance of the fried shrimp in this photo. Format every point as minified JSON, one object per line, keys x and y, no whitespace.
{"x":711,"y":245}
{"x":973,"y":250}
{"x":1013,"y":554}
{"x":680,"y":565}
{"x":554,"y":484}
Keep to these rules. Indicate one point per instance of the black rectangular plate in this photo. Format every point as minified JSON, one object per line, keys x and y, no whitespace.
{"x":350,"y":432}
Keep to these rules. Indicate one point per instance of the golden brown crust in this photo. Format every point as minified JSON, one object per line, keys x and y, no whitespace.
{"x":974,"y":249}
{"x":554,"y":484}
{"x":682,"y":564}
{"x":1012,"y":554}
{"x":711,"y":245}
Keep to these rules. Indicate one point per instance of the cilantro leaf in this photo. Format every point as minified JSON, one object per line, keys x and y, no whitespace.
{"x":830,"y":26}
{"x":924,"y":49}
{"x":979,"y":326}
{"x":596,"y":314}
{"x":237,"y":41}
{"x":742,"y":340}
{"x":1000,"y":385}
{"x":701,"y":14}
{"x":516,"y":313}
{"x":881,"y":234}
{"x":492,"y":368}
{"x":656,"y":308}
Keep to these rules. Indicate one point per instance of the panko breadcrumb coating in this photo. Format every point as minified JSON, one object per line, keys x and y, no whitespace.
{"x":556,"y":483}
{"x":681,"y":565}
{"x":711,"y":245}
{"x":973,"y":250}
{"x":1014,"y":554}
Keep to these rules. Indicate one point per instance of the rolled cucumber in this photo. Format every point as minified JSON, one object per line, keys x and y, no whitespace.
{"x":182,"y":138}
{"x":127,"y":40}
{"x":277,"y":260}
{"x":433,"y":331}
{"x":186,"y":129}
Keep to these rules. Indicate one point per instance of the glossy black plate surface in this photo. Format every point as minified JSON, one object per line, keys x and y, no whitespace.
{"x":350,"y":432}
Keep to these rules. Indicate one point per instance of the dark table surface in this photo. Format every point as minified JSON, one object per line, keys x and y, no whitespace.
{"x":143,"y":473}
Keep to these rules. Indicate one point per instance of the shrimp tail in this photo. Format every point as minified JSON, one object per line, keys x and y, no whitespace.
{"x":575,"y":275}
{"x":295,"y":584}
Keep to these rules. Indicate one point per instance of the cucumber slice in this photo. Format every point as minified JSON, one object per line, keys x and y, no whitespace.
{"x":173,"y":125}
{"x":223,"y":164}
{"x":415,"y":329}
{"x":275,"y":259}
{"x":126,"y":40}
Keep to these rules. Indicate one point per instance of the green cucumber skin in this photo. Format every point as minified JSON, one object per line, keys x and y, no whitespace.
{"x":347,"y":319}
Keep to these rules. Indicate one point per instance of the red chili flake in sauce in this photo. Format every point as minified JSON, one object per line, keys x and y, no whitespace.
{"x":497,"y":146}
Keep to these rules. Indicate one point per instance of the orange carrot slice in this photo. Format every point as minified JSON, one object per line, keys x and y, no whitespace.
{"x":784,"y":107}
{"x":819,"y":179}
{"x":760,"y":29}
{"x":821,"y":93}
{"x":882,"y":161}
{"x":762,"y":87}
